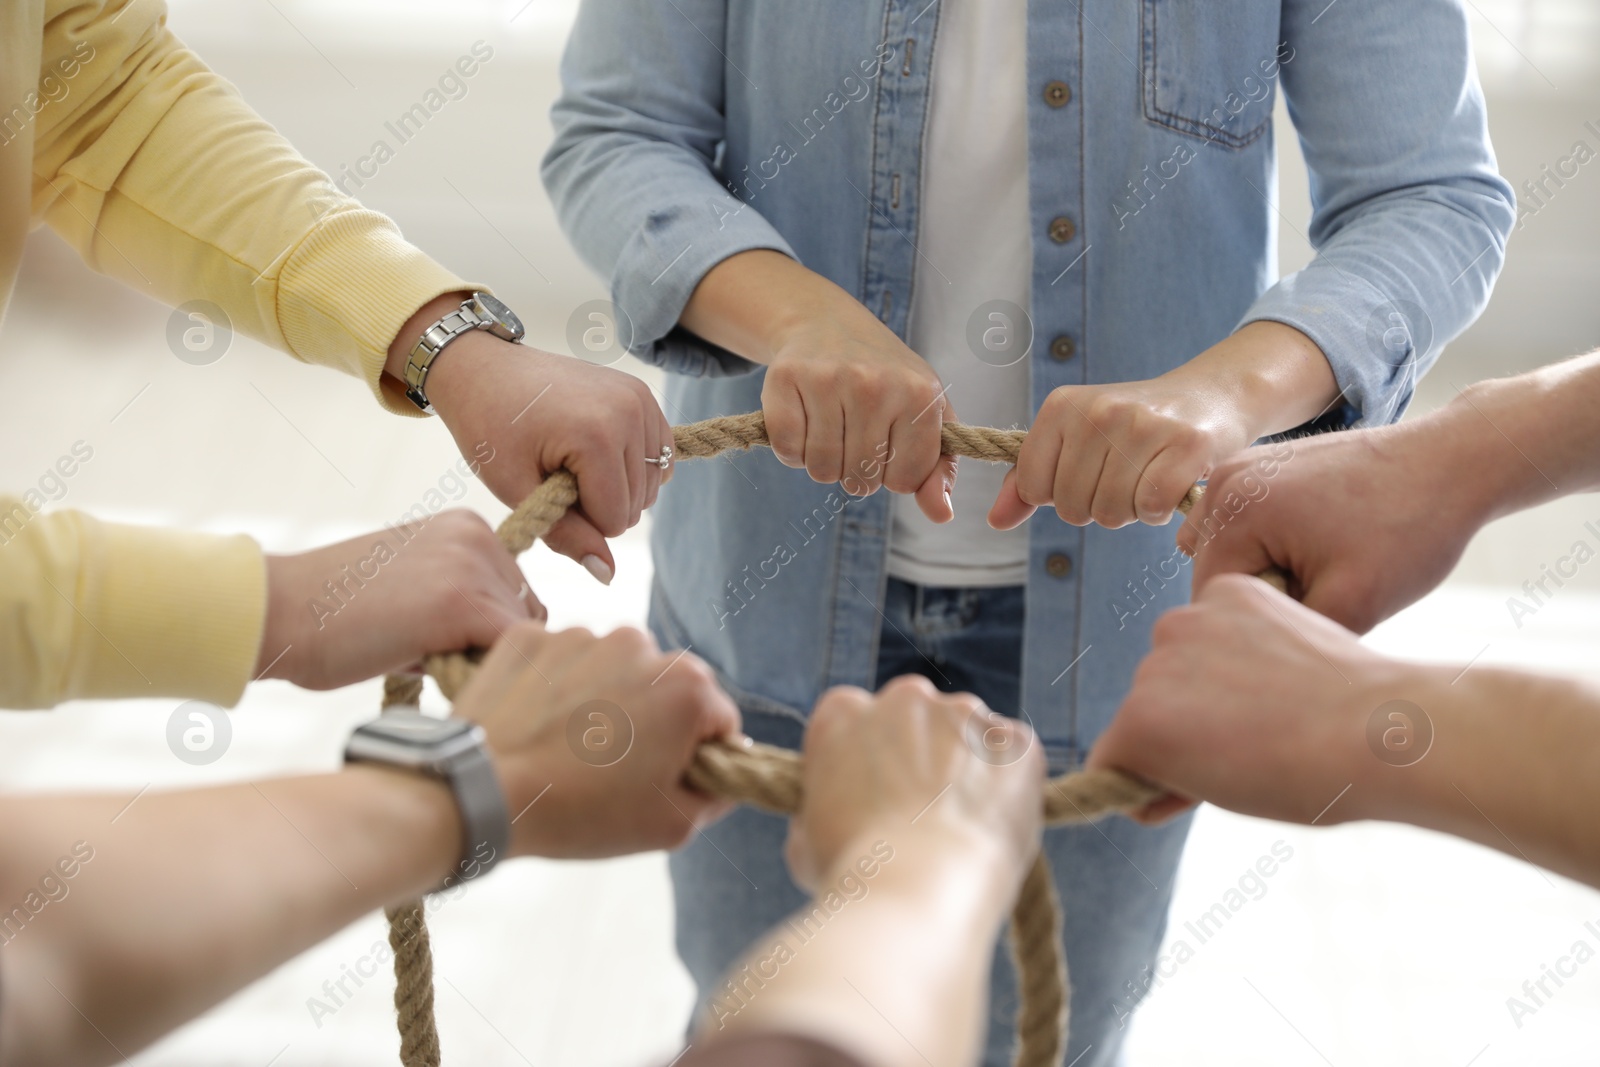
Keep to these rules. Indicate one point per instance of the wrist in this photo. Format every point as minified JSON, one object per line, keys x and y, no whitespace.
{"x":1392,"y":732}
{"x":280,"y":644}
{"x":467,"y":363}
{"x":411,"y":331}
{"x":1476,"y":436}
{"x":760,"y":304}
{"x":421,"y":817}
{"x":815,"y":307}
{"x":1276,"y":377}
{"x":933,"y":852}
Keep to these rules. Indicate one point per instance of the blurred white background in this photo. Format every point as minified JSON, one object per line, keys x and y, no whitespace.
{"x":1373,"y":945}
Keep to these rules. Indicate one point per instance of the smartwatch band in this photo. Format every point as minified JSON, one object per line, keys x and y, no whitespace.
{"x":485,"y":822}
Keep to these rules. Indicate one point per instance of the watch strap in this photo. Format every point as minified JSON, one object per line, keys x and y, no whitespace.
{"x":485,"y":821}
{"x":434,"y":339}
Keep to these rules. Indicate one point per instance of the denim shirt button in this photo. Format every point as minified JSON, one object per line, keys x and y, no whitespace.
{"x":1063,"y":348}
{"x":1058,"y":565}
{"x":1062,"y":229}
{"x":1057,"y":94}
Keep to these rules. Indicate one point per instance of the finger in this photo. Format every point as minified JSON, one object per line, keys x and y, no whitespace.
{"x":1341,"y":596}
{"x":1077,"y":478}
{"x":933,"y":495}
{"x":719,"y":715}
{"x":1166,"y":478}
{"x":797,"y":855}
{"x":514,"y":588}
{"x":824,"y":448}
{"x":638,"y":473}
{"x":1008,"y":511}
{"x":512,"y":654}
{"x":838,"y":704}
{"x":605,"y":489}
{"x":664,"y":432}
{"x":1112,"y":502}
{"x":533,"y":605}
{"x":1223,"y":543}
{"x":1035,"y":473}
{"x":866,"y":442}
{"x":785,"y":414}
{"x":1161,"y":809}
{"x":1082,"y":463}
{"x":713,"y":812}
{"x":575,"y":537}
{"x":502,"y":608}
{"x":914,"y":447}
{"x":650,"y":434}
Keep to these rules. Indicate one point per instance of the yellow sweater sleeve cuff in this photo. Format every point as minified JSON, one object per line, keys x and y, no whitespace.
{"x":97,"y":610}
{"x":348,"y":289}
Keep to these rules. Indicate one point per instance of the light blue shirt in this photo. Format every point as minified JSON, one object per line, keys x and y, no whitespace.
{"x":690,"y":130}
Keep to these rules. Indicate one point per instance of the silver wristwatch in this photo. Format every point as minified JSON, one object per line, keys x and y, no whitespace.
{"x":481,"y":312}
{"x":454,"y":750}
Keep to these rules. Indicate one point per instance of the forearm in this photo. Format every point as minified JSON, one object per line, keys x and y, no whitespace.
{"x":189,"y":896}
{"x":752,"y":302}
{"x":869,"y":978}
{"x":1512,"y":443}
{"x":1514,"y":765}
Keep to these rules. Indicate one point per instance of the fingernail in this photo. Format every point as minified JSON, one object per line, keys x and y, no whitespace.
{"x":597,"y":567}
{"x":947,"y":502}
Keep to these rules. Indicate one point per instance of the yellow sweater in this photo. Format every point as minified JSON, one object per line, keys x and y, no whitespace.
{"x":153,"y":168}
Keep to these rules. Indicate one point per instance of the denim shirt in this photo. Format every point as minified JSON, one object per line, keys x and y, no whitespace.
{"x":690,"y":130}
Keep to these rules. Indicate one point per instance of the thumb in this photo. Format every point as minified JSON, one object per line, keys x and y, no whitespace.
{"x":1009,"y":511}
{"x":575,"y":537}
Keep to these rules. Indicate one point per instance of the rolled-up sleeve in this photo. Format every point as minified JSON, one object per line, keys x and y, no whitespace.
{"x":632,"y":168}
{"x":1410,"y":215}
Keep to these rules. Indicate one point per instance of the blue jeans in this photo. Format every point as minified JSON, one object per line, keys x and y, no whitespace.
{"x":1115,"y":877}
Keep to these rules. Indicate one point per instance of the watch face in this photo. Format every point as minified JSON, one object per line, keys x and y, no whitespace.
{"x":500,"y":313}
{"x":414,"y":728}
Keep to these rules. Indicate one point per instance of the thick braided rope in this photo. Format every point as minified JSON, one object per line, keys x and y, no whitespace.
{"x":770,"y":778}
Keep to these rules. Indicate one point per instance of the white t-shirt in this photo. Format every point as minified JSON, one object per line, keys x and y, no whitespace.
{"x":973,"y":282}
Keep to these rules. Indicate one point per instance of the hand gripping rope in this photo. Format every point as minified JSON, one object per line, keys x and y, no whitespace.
{"x":769,"y":778}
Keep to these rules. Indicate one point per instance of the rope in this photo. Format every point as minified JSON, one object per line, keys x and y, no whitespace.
{"x":769,"y":778}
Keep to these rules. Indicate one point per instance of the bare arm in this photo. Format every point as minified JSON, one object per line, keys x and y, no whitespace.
{"x":852,"y":986}
{"x":1538,"y":435}
{"x":126,"y":919}
{"x":1515,"y":766}
{"x":189,"y":896}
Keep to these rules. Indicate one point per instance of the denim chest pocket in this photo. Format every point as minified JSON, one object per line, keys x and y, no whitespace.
{"x":1210,"y":67}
